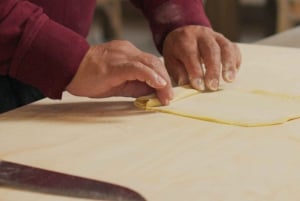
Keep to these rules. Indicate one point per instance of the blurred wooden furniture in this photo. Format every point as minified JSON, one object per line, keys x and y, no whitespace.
{"x":288,"y":14}
{"x":288,"y":38}
{"x":227,"y":17}
{"x":108,"y":15}
{"x":224,"y":17}
{"x":230,"y":17}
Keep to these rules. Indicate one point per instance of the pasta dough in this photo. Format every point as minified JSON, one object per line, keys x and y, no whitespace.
{"x":236,"y":107}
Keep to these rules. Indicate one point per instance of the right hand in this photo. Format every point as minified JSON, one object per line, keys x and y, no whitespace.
{"x":188,"y":49}
{"x":118,"y":68}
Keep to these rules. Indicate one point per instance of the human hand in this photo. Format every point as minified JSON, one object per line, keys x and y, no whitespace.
{"x":118,"y":68}
{"x":186,"y":49}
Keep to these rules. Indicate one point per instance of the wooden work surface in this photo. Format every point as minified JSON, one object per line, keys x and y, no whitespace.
{"x":164,"y":157}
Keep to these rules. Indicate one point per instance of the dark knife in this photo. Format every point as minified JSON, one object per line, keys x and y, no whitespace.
{"x":22,"y":177}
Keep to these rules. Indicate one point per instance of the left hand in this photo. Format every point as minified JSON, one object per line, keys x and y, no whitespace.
{"x":118,"y":68}
{"x":187,"y":48}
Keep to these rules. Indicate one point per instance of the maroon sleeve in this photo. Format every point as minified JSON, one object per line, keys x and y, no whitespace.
{"x":167,"y":15}
{"x":36,"y":50}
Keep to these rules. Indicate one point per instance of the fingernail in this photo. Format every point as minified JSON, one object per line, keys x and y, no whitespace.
{"x":229,"y":76}
{"x":198,"y":84}
{"x":213,"y":84}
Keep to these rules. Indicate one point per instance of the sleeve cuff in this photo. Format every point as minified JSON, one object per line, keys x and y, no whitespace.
{"x":172,"y":14}
{"x":50,"y":59}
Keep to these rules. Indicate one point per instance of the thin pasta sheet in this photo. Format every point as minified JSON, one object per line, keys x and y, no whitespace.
{"x":230,"y":106}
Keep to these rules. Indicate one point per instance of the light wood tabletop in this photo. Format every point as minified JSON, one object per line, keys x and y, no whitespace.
{"x":164,"y":157}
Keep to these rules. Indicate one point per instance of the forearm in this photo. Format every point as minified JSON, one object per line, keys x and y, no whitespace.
{"x":36,"y":50}
{"x":166,"y":15}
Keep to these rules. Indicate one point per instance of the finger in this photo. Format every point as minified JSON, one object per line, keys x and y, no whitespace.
{"x":239,"y":57}
{"x":139,"y":71}
{"x":128,"y":89}
{"x":157,"y":65}
{"x":194,"y":69}
{"x":211,"y":55}
{"x":229,"y":58}
{"x":177,"y":71}
{"x":154,"y":63}
{"x":135,"y":89}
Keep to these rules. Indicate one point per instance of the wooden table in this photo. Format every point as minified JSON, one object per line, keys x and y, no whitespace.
{"x":230,"y":17}
{"x":224,"y":17}
{"x":288,"y":14}
{"x":164,"y":157}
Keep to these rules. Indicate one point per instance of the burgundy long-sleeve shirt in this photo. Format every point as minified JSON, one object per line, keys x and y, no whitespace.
{"x":42,"y":42}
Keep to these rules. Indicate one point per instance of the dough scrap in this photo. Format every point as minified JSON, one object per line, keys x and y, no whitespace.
{"x":235,"y":107}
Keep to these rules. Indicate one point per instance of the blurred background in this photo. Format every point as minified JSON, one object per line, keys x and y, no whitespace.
{"x":244,"y":21}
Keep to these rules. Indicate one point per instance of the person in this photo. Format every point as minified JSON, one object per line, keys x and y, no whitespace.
{"x":43,"y":52}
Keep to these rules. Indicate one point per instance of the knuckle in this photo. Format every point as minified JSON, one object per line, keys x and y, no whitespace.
{"x":187,"y":49}
{"x":153,"y":60}
{"x":185,"y":31}
{"x":214,"y":68}
{"x":220,"y":36}
{"x":192,"y":52}
{"x":196,"y":71}
{"x":215,"y":49}
{"x":126,"y":43}
{"x":228,"y":47}
{"x":137,"y":65}
{"x":205,"y":31}
{"x":123,"y":44}
{"x":154,"y":64}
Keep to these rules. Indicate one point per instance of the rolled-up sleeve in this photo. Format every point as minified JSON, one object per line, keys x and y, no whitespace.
{"x":166,"y":15}
{"x":36,"y":50}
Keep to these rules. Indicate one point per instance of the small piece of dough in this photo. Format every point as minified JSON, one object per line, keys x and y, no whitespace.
{"x":236,"y":107}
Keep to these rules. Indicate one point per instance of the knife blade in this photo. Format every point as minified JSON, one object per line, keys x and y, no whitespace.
{"x":23,"y":177}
